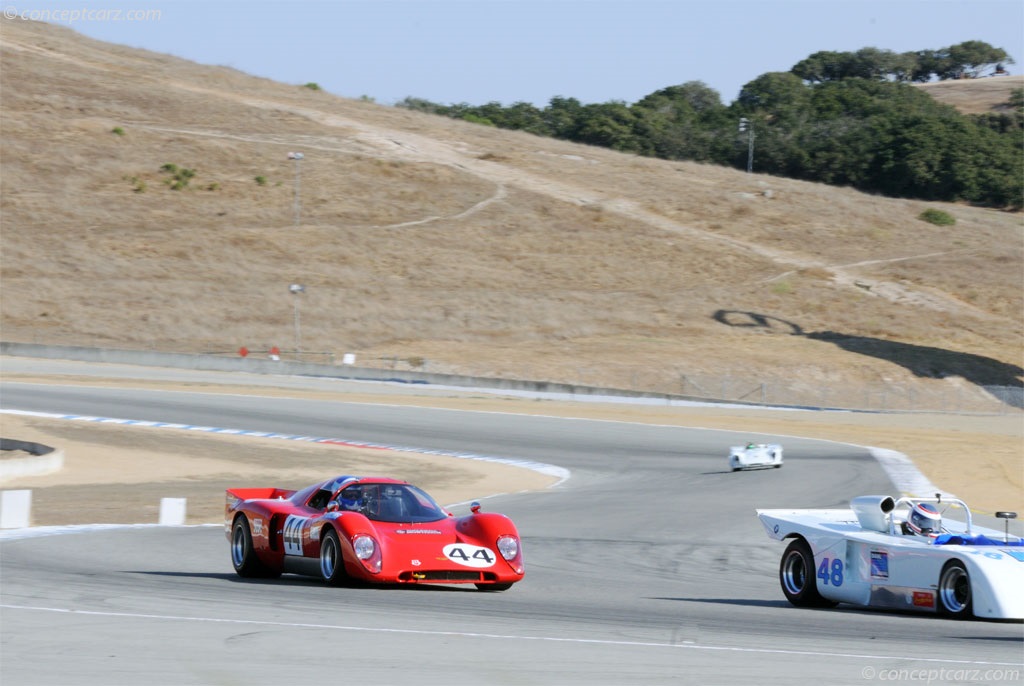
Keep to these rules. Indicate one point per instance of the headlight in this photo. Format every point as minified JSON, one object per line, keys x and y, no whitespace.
{"x":364,"y":547}
{"x":508,"y":546}
{"x":368,"y":552}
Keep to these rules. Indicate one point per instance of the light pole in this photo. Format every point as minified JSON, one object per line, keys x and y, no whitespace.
{"x":297,"y":156}
{"x":745,"y":125}
{"x":296,"y":290}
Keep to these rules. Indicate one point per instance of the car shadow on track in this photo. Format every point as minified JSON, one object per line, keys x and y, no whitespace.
{"x":296,"y":579}
{"x":729,"y":601}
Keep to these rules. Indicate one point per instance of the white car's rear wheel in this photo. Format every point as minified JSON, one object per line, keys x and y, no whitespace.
{"x":796,"y":575}
{"x":954,"y":591}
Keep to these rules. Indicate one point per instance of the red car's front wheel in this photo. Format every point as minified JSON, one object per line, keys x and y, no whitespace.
{"x":332,"y":563}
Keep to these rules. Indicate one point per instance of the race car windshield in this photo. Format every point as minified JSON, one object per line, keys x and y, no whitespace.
{"x":390,"y":503}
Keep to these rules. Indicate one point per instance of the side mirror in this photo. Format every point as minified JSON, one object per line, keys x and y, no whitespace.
{"x":1006,"y":525}
{"x":474,"y":507}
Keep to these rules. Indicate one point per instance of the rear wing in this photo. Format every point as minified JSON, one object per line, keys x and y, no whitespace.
{"x":234,"y":495}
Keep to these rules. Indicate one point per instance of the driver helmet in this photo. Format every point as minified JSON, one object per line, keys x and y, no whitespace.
{"x":350,"y":499}
{"x":925,"y":520}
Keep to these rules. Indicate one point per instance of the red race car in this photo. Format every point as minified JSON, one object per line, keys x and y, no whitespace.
{"x":369,"y":529}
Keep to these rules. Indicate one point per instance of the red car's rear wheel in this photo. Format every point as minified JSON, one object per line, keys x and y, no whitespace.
{"x":243,"y":557}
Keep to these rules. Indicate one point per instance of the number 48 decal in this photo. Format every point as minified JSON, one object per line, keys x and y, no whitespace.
{"x":831,"y":571}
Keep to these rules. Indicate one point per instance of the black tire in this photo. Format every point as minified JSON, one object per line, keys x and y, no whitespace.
{"x":332,"y":560}
{"x":954,"y":593}
{"x":243,"y":558}
{"x":796,"y":576}
{"x":494,"y":588}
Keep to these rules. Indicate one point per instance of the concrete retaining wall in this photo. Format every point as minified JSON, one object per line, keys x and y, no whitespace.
{"x":42,"y":459}
{"x":281,"y":367}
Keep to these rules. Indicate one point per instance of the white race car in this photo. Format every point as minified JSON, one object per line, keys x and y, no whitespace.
{"x":755,"y":455}
{"x":900,"y":554}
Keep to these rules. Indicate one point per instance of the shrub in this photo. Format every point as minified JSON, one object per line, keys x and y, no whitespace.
{"x":117,"y":131}
{"x":180,"y":176}
{"x":937,"y":217}
{"x":138,"y":185}
{"x":260,"y":180}
{"x":312,"y":86}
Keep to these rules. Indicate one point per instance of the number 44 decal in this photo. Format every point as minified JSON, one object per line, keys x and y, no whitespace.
{"x":469,"y":555}
{"x":831,"y":571}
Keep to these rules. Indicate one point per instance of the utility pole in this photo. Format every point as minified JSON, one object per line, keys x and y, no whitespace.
{"x":297,"y":156}
{"x":745,"y":125}
{"x":296,"y":290}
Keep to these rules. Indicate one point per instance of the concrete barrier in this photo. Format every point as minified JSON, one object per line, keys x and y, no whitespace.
{"x":250,"y":365}
{"x":15,"y":509}
{"x":172,"y":511}
{"x":42,"y":459}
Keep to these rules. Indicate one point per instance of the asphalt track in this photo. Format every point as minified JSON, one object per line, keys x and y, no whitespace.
{"x":647,"y":566}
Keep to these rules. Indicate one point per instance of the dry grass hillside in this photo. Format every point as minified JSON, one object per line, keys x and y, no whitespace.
{"x":464,"y":248}
{"x":975,"y":96}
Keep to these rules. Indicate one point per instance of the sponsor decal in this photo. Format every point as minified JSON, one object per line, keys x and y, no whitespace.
{"x":879,"y":564}
{"x":416,"y":563}
{"x":314,"y":533}
{"x":1018,"y":555}
{"x":417,"y":531}
{"x":469,"y":555}
{"x":293,"y":527}
{"x":257,"y":526}
{"x":924,"y":599}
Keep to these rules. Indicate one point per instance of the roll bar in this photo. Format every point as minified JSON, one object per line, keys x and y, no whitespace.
{"x":937,"y":500}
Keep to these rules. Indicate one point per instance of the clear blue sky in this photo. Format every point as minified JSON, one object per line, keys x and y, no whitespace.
{"x":477,"y":51}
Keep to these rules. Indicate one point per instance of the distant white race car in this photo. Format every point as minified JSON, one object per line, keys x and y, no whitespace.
{"x":899,"y":554}
{"x":755,"y":455}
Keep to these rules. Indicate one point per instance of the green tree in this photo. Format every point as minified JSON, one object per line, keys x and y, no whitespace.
{"x":526,"y":117}
{"x":562,"y":117}
{"x":609,"y":124}
{"x":973,"y":57}
{"x":821,"y":66}
{"x":682,"y":122}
